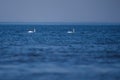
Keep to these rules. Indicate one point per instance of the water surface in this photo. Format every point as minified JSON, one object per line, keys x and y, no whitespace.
{"x":91,"y":53}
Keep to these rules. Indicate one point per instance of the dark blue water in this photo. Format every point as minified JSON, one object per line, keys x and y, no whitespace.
{"x":91,"y":53}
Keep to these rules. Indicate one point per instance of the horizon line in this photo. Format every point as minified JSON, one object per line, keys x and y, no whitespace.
{"x":60,"y":23}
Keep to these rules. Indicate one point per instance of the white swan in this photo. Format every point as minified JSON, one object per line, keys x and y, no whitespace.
{"x":73,"y":31}
{"x":32,"y":31}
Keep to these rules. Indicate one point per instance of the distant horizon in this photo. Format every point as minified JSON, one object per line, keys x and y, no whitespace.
{"x":59,"y":23}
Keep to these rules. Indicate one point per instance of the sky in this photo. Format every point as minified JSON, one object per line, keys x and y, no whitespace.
{"x":82,"y":11}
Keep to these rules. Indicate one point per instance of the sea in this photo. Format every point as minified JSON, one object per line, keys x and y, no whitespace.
{"x":92,"y":52}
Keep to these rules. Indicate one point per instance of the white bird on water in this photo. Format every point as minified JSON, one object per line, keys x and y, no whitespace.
{"x":73,"y":31}
{"x":32,"y":31}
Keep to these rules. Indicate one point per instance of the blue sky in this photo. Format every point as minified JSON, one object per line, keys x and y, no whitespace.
{"x":83,"y":11}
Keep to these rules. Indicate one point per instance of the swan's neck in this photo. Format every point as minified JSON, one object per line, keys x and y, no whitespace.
{"x":73,"y":30}
{"x":34,"y":30}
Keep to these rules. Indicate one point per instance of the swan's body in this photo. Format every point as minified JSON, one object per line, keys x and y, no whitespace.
{"x":32,"y":31}
{"x":73,"y":31}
